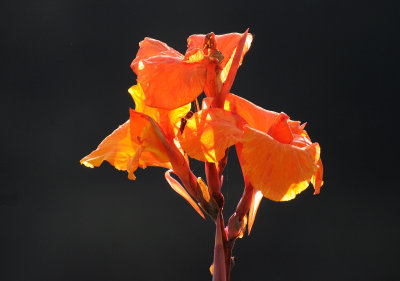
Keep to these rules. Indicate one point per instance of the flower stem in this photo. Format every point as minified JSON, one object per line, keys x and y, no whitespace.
{"x":220,"y":269}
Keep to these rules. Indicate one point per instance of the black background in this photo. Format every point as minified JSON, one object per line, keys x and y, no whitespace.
{"x":65,"y":75}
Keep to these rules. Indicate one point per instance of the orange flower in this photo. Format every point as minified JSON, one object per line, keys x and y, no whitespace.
{"x":276,"y":154}
{"x":139,"y":142}
{"x":148,"y":139}
{"x":170,"y":80}
{"x":277,"y":157}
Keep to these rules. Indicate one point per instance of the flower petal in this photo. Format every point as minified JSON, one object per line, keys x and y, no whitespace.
{"x":279,"y":170}
{"x":255,"y":203}
{"x":119,"y":150}
{"x":316,"y":180}
{"x":151,"y":47}
{"x":143,"y":134}
{"x":116,"y":149}
{"x":168,"y":120}
{"x":167,"y":81}
{"x":226,"y":44}
{"x":228,"y":72}
{"x":209,"y":133}
{"x":280,"y":129}
{"x":175,"y":185}
{"x":257,"y":117}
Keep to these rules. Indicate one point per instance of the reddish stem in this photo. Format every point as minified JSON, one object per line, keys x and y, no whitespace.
{"x":214,"y":184}
{"x":219,"y":251}
{"x":244,"y":204}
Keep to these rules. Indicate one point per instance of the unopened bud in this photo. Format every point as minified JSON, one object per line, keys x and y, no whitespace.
{"x":236,"y":227}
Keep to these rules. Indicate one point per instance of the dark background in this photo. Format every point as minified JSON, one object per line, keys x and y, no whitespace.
{"x":65,"y":75}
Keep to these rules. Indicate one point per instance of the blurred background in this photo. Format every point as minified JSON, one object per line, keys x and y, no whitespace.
{"x":64,"y":79}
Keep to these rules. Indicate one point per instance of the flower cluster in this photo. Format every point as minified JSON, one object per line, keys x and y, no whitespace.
{"x":169,"y":125}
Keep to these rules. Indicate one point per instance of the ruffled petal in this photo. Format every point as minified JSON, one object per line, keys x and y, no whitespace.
{"x":280,"y":129}
{"x":226,"y":44}
{"x":168,"y":120}
{"x":169,"y":83}
{"x":116,"y":149}
{"x":120,"y":151}
{"x":150,"y":47}
{"x":257,"y":117}
{"x":209,"y":133}
{"x":279,"y":170}
{"x":166,"y":79}
{"x":143,"y":134}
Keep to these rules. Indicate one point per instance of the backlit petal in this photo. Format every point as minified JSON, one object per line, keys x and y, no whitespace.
{"x":143,"y":134}
{"x":178,"y":188}
{"x":119,"y":151}
{"x":209,"y":133}
{"x":280,"y":129}
{"x":279,"y":170}
{"x":255,"y":203}
{"x":229,"y":70}
{"x":257,"y":117}
{"x":150,"y":47}
{"x":168,"y":120}
{"x":167,"y":80}
{"x":226,"y":44}
{"x":316,"y":180}
{"x":116,"y":149}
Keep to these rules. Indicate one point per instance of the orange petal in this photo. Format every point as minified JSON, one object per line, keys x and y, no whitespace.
{"x":143,"y":134}
{"x":150,"y":47}
{"x":257,"y":117}
{"x":175,"y":185}
{"x":134,"y":163}
{"x":226,"y":44}
{"x":228,"y":72}
{"x":279,"y":170}
{"x":116,"y":149}
{"x":153,"y":137}
{"x":255,"y":203}
{"x":209,"y":133}
{"x":168,"y":120}
{"x":280,"y":129}
{"x":119,"y":150}
{"x":167,"y":81}
{"x":316,"y":180}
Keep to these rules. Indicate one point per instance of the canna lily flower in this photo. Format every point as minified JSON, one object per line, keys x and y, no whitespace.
{"x":148,"y":139}
{"x":171,"y":80}
{"x":276,"y":154}
{"x":137,"y":143}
